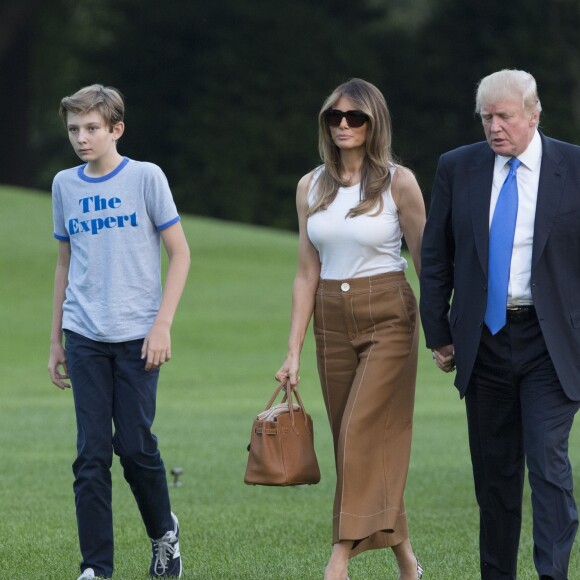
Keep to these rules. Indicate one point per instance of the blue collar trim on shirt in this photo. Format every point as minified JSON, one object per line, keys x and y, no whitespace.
{"x":81,"y":172}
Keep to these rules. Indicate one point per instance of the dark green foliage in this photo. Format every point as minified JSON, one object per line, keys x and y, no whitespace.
{"x":465,"y":41}
{"x":224,"y":95}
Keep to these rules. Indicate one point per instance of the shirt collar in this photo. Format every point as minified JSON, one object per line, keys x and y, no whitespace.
{"x":530,"y":158}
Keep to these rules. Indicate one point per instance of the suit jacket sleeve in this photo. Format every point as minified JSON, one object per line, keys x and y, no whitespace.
{"x":437,"y":262}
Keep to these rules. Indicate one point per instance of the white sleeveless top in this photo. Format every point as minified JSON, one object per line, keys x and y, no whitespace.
{"x":353,"y":247}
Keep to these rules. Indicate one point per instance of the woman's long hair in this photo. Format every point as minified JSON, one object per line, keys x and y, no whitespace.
{"x":375,"y":176}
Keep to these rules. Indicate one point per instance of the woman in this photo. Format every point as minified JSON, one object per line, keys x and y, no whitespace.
{"x":353,"y":211}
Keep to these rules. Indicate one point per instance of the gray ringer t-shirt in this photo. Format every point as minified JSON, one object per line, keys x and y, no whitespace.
{"x":112,"y":224}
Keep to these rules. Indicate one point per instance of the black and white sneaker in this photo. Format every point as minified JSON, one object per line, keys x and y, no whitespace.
{"x":166,"y":558}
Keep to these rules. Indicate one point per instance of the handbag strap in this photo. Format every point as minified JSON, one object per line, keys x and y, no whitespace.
{"x":288,"y":397}
{"x":273,"y":398}
{"x":301,"y":404}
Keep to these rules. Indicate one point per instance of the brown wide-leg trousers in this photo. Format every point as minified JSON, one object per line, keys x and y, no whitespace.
{"x":366,"y":333}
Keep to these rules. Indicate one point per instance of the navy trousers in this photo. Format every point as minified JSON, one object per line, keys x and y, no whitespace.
{"x":518,"y":414}
{"x":111,"y":388}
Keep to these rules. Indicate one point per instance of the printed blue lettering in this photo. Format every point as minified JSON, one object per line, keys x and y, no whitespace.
{"x":99,"y":203}
{"x":84,"y":203}
{"x":110,"y":222}
{"x":96,"y":225}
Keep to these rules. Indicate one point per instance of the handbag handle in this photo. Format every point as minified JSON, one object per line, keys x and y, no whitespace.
{"x":273,"y":398}
{"x":288,"y":397}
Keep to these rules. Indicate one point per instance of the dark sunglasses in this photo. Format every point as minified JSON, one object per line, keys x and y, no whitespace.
{"x":334,"y":117}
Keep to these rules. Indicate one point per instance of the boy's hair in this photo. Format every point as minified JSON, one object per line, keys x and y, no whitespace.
{"x":108,"y":101}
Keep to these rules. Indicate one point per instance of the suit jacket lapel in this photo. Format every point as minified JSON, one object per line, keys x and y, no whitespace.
{"x":480,"y":181}
{"x":550,"y":190}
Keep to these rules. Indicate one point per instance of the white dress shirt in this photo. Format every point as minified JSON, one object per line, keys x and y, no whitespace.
{"x":528,"y":176}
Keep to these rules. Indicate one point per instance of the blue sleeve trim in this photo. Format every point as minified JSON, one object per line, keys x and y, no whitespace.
{"x":62,"y":238}
{"x":166,"y":225}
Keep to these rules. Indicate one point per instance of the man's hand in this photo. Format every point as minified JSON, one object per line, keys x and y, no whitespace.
{"x":444,"y":358}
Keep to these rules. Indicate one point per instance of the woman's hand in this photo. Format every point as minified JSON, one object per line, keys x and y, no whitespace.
{"x":289,"y":371}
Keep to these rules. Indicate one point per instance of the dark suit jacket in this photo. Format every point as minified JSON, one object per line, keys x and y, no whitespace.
{"x":455,"y":249}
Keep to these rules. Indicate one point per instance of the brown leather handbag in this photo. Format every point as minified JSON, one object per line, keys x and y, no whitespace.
{"x":281,"y":449}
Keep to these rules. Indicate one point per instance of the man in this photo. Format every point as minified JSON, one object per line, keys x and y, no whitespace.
{"x":505,"y":216}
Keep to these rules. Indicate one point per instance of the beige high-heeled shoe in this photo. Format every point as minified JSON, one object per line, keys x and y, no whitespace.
{"x":419,"y":571}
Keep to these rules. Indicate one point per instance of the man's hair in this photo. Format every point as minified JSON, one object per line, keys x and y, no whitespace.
{"x":508,"y":84}
{"x":108,"y":101}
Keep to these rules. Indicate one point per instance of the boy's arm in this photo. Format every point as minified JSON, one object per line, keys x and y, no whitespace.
{"x":57,"y":359}
{"x":157,"y":344}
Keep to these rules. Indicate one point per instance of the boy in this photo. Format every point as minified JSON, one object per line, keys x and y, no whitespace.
{"x":109,"y":215}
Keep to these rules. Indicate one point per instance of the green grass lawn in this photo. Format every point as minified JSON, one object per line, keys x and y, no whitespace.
{"x":228,"y":340}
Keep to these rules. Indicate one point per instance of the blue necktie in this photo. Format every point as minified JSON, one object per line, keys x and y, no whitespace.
{"x":501,"y":243}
